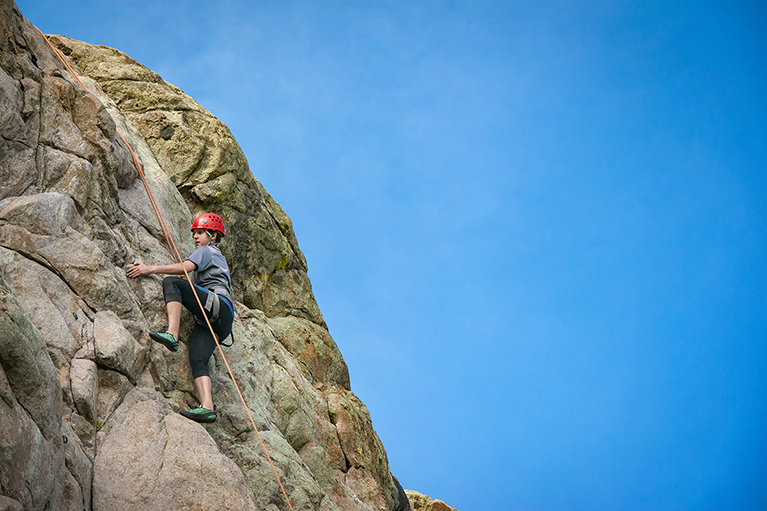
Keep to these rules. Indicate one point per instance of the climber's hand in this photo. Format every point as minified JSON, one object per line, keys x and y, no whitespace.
{"x":139,"y":269}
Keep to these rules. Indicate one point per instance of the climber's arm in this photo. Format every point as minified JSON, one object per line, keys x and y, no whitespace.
{"x":139,"y":269}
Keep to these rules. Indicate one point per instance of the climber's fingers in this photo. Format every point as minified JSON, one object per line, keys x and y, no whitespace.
{"x":137,"y":270}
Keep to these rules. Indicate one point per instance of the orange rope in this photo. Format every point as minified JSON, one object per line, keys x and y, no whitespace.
{"x":177,"y":256}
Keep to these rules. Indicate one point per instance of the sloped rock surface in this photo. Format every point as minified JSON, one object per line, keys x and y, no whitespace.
{"x":208,"y":167}
{"x":87,"y":403}
{"x":152,"y":458}
{"x":421,"y":502}
{"x":39,"y":468}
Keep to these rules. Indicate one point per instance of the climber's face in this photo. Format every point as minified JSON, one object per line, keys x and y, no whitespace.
{"x":201,"y":238}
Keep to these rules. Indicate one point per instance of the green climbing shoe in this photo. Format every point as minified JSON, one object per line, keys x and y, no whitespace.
{"x":166,"y":339}
{"x":200,"y":414}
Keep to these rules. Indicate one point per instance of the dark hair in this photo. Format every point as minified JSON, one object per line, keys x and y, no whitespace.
{"x":215,"y":236}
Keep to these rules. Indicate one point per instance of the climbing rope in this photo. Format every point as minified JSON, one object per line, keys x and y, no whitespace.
{"x":177,"y":257}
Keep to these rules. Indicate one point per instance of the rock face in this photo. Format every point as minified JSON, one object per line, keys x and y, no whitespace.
{"x":421,"y":502}
{"x":207,"y":166}
{"x":87,"y":403}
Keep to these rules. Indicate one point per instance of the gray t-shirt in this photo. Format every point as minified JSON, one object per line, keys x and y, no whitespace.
{"x":212,"y":271}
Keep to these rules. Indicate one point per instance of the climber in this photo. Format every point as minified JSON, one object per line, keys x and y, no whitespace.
{"x":212,"y":283}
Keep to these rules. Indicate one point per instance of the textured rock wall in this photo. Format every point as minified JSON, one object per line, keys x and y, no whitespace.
{"x":208,"y":167}
{"x":421,"y":502}
{"x":87,"y":403}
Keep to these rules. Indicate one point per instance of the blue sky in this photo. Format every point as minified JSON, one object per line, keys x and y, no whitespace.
{"x":536,"y":230}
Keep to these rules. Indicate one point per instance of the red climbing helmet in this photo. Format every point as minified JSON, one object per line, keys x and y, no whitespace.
{"x":209,"y":221}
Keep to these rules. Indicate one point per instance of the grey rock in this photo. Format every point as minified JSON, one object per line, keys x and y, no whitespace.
{"x":86,"y":434}
{"x":115,"y":347}
{"x":84,"y":384}
{"x":155,"y":459}
{"x":27,"y":365}
{"x":8,"y":504}
{"x":46,"y":213}
{"x":80,"y":466}
{"x":34,"y":463}
{"x":113,"y":387}
{"x":54,"y":309}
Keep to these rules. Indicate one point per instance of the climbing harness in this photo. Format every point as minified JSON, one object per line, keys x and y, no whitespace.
{"x":213,"y":308}
{"x":177,"y":256}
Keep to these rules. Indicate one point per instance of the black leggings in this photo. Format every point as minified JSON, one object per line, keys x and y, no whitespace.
{"x":201,"y":343}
